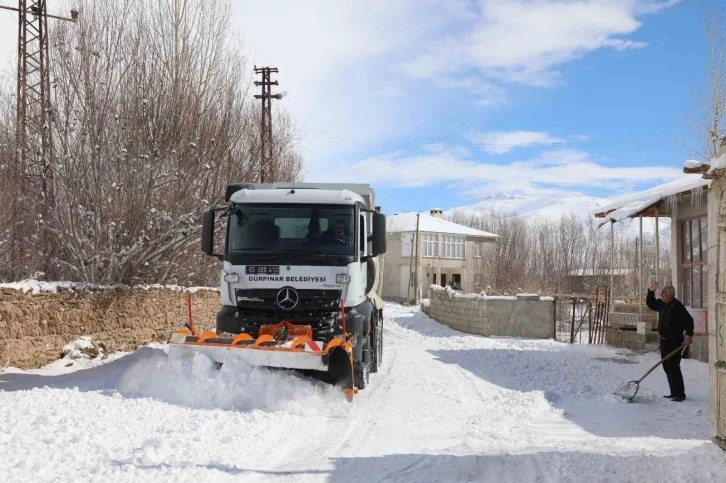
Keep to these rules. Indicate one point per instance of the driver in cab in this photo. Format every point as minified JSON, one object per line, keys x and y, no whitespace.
{"x":337,"y":235}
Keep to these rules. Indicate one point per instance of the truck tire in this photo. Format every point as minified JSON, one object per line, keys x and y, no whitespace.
{"x":375,"y":336}
{"x":361,"y":375}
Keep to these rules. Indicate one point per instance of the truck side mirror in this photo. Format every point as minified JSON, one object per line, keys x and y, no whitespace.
{"x":379,"y":234}
{"x":208,"y":234}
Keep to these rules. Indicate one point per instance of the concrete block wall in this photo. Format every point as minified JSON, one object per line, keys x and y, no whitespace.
{"x":521,"y":316}
{"x":630,"y":339}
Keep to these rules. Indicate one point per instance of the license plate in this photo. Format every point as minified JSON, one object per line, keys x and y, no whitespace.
{"x":262,"y":270}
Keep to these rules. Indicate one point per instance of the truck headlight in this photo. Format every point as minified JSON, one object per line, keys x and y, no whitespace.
{"x":342,"y":278}
{"x":231,"y":278}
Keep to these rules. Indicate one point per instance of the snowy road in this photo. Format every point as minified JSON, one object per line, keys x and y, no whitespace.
{"x":445,"y":407}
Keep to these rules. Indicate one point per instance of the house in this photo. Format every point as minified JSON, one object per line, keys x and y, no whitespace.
{"x":684,"y":201}
{"x":586,"y":280}
{"x":448,"y":254}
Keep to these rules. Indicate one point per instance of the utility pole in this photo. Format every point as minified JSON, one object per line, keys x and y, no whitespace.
{"x":267,"y":172}
{"x":415,"y":273}
{"x":33,"y":113}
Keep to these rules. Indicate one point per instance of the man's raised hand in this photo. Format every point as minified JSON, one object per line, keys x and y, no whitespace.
{"x":653,"y":286}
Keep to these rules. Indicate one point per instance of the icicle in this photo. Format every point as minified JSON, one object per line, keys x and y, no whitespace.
{"x":672,"y":204}
{"x":697,"y":196}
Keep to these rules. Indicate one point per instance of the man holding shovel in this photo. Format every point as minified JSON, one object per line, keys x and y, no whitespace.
{"x":673,"y":321}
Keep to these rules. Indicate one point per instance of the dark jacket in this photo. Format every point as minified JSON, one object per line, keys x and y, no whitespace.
{"x":673,"y":317}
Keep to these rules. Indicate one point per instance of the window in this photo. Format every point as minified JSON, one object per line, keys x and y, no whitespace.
{"x":453,"y":246}
{"x":443,"y":280}
{"x":277,"y":228}
{"x":456,"y":281}
{"x":407,"y":243}
{"x":694,"y":263}
{"x":478,"y":249}
{"x":431,"y":245}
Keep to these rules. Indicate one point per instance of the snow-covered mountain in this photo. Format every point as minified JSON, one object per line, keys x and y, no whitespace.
{"x":536,"y":206}
{"x":552,"y":207}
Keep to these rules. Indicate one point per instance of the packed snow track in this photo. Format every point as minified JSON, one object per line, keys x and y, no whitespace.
{"x":445,"y":406}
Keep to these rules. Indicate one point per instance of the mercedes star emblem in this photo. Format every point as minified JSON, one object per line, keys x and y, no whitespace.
{"x":287,"y":298}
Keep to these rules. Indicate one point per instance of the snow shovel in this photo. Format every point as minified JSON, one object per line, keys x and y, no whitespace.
{"x":629,"y":390}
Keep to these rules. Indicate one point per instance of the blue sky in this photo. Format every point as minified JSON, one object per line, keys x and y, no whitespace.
{"x":443,"y":102}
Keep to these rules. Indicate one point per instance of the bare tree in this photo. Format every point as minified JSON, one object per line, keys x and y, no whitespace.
{"x":153,"y":117}
{"x":710,"y":101}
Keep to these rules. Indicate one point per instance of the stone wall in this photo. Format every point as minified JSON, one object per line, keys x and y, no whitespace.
{"x":34,"y":327}
{"x":521,"y":316}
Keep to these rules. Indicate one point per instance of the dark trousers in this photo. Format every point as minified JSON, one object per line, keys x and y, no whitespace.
{"x":672,"y":366}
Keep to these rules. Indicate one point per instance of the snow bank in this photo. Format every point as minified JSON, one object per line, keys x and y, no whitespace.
{"x":198,"y":383}
{"x":38,"y":286}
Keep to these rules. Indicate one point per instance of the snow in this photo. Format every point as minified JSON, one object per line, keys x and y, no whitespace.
{"x":37,"y":286}
{"x":628,"y":206}
{"x":445,"y":406}
{"x":483,"y":296}
{"x":532,"y":207}
{"x":590,"y":272}
{"x":73,"y":349}
{"x":691,"y":164}
{"x":718,"y":163}
{"x":406,"y":222}
{"x":553,"y":208}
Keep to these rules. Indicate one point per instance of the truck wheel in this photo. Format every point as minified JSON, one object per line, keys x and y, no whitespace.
{"x":373,"y":343}
{"x":360,"y":375}
{"x":374,"y":350}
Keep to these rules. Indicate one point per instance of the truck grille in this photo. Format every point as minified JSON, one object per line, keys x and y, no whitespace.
{"x":316,"y":308}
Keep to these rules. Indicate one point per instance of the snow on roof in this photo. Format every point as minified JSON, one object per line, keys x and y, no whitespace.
{"x":691,"y":164}
{"x":717,"y":163}
{"x":628,"y":206}
{"x":406,"y":222}
{"x":589,"y":272}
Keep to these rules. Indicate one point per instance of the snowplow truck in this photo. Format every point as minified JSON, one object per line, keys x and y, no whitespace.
{"x":300,"y":282}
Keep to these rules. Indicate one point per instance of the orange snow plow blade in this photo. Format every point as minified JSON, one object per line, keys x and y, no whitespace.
{"x":282,"y":345}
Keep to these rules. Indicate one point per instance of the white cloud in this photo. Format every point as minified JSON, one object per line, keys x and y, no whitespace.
{"x":498,"y":142}
{"x":554,"y":171}
{"x":526,"y":42}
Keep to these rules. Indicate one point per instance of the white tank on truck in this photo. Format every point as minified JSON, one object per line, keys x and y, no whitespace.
{"x":300,"y":280}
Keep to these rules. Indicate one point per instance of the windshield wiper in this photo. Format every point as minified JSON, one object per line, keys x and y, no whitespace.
{"x":256,"y":249}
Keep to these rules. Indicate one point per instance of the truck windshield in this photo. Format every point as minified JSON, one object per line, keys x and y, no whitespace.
{"x":291,"y":228}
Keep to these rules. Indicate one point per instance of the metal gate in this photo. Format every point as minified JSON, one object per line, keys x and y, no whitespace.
{"x":582,"y":319}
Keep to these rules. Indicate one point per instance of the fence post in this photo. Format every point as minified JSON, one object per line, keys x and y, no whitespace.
{"x":554,"y":318}
{"x":572,"y":328}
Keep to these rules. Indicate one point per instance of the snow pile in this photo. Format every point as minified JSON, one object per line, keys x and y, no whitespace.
{"x":198,"y":383}
{"x":38,"y":286}
{"x":78,"y":348}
